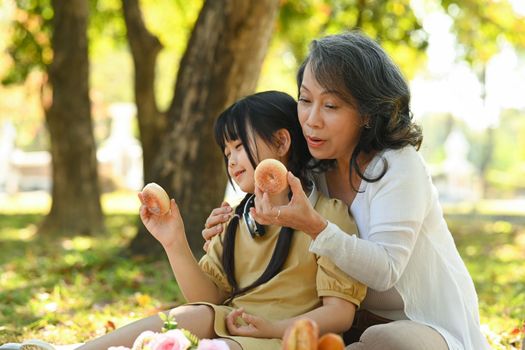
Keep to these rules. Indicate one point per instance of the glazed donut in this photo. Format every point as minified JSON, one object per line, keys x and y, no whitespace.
{"x":270,"y":176}
{"x":156,"y":199}
{"x":301,"y":335}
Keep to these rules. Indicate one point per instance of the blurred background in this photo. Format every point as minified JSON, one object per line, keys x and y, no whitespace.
{"x":99,"y":97}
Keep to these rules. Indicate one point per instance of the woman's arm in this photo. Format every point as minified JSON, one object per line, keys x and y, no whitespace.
{"x":214,"y":223}
{"x":335,"y":315}
{"x":169,"y":230}
{"x":397,"y":206}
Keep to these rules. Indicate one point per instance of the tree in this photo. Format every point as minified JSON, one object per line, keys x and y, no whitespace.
{"x":221,"y":63}
{"x":76,"y":205}
{"x":51,"y":37}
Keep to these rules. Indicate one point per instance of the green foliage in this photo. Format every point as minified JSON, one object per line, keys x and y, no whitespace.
{"x":481,"y":26}
{"x":392,"y":23}
{"x":30,"y":45}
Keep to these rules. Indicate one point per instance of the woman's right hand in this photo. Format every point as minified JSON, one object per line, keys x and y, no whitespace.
{"x":298,"y":214}
{"x":214,"y":223}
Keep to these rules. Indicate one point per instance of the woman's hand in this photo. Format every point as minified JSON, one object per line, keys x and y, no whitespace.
{"x":214,"y":223}
{"x":253,"y":326}
{"x":298,"y":214}
{"x":167,"y":228}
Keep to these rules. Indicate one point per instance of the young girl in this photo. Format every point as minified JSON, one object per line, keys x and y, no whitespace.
{"x":254,"y":281}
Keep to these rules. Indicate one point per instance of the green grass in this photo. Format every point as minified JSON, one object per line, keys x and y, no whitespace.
{"x":494,"y":252}
{"x":68,"y":290}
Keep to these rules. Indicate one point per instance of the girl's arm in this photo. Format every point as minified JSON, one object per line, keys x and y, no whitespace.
{"x":335,"y":315}
{"x":169,"y":230}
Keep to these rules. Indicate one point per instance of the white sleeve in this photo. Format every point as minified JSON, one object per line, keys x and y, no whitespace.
{"x":397,"y":205}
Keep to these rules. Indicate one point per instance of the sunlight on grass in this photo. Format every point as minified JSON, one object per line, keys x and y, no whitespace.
{"x":39,"y":202}
{"x":25,"y":202}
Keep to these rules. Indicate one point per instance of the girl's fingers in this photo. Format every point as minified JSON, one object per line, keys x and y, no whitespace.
{"x":174,"y":208}
{"x":232,"y":317}
{"x":141,"y":197}
{"x":230,"y":324}
{"x":250,"y":319}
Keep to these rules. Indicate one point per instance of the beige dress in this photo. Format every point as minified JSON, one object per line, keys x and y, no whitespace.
{"x":295,"y":290}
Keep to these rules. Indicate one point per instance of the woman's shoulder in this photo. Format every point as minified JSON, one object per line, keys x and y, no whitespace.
{"x":404,"y":160}
{"x":407,"y":152}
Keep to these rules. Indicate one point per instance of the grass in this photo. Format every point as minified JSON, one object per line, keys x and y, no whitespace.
{"x":68,"y":290}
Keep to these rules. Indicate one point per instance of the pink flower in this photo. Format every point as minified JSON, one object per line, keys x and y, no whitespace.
{"x":143,"y":339}
{"x":171,"y":340}
{"x":212,"y":344}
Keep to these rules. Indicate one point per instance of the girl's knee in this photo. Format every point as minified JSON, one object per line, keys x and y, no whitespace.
{"x":185,"y":310}
{"x":198,"y":319}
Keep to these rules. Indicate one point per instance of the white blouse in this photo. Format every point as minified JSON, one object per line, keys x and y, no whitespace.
{"x":405,"y":245}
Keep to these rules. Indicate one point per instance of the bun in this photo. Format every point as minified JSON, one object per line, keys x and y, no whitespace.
{"x":270,"y":176}
{"x":156,"y":199}
{"x":301,"y":335}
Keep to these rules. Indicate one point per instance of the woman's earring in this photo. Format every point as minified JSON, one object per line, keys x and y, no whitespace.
{"x":366,"y":125}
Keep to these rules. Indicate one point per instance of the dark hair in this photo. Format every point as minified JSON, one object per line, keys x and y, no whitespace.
{"x":263,"y":114}
{"x":362,"y":74}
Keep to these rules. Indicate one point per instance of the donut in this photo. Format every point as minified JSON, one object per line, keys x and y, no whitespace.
{"x":156,"y":199}
{"x":301,"y":335}
{"x":331,"y":341}
{"x":270,"y":176}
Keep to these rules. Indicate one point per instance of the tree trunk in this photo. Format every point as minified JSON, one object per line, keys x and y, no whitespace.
{"x":222,"y":63}
{"x":75,"y":205}
{"x":145,"y":48}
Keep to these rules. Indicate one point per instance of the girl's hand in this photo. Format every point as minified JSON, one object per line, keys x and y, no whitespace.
{"x":167,"y":228}
{"x":298,"y":214}
{"x":214,"y":222}
{"x":253,"y":326}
